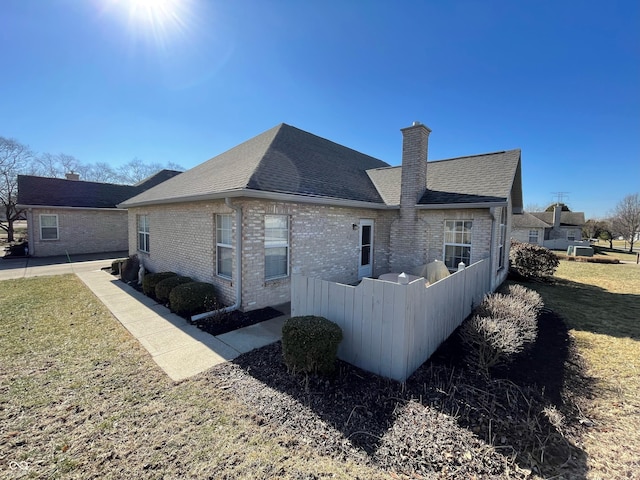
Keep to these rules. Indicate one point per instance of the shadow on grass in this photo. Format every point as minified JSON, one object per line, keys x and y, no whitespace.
{"x":443,"y":417}
{"x":591,"y":308}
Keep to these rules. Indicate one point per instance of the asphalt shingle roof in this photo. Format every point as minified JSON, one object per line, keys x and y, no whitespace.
{"x":33,"y":190}
{"x":566,"y":218}
{"x":283,"y":159}
{"x":526,"y":220}
{"x":288,"y":160}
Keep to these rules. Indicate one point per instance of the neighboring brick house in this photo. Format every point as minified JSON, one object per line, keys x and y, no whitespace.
{"x":289,"y":202}
{"x":70,"y":216}
{"x":556,"y":229}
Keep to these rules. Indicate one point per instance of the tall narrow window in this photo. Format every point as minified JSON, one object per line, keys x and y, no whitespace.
{"x":503,"y":237}
{"x":224,"y":249}
{"x":143,"y":233}
{"x":533,"y":236}
{"x":49,"y":227}
{"x":457,"y":243}
{"x":276,"y":246}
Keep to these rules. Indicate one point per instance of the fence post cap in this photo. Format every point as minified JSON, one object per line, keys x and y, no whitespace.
{"x":403,"y":279}
{"x":461,"y":266}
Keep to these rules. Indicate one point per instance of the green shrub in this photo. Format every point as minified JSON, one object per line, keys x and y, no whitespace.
{"x":310,"y":344}
{"x":129,"y":271}
{"x":164,"y":287}
{"x":532,"y":261}
{"x":189,"y":299}
{"x":117,"y":266}
{"x":150,"y":281}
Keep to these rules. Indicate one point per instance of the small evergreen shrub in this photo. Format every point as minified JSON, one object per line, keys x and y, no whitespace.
{"x":164,"y":287}
{"x":532,"y":261}
{"x":189,"y":299}
{"x":150,"y":281}
{"x":310,"y":344}
{"x":117,"y":265}
{"x":129,"y":271}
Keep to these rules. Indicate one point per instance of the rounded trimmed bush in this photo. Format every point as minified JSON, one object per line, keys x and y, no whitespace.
{"x":532,"y":261}
{"x":527,"y":295}
{"x":150,"y":281}
{"x":189,"y":299}
{"x":129,"y":270}
{"x":164,"y":287}
{"x":310,"y":344}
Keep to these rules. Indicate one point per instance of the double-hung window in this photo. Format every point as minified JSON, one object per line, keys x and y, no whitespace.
{"x":457,"y":243}
{"x":49,"y":227}
{"x":143,"y":233}
{"x":224,"y":248}
{"x":276,"y":246}
{"x":533,"y":236}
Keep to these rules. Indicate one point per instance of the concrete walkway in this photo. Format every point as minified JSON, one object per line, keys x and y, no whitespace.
{"x":179,"y":348}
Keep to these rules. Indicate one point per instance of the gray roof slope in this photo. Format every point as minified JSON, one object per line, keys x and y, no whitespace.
{"x":526,"y":220}
{"x":283,"y":159}
{"x":570,"y":219}
{"x":59,"y":192}
{"x":482,"y":178}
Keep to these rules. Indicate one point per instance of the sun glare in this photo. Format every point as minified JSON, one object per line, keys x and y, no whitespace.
{"x":159,"y":19}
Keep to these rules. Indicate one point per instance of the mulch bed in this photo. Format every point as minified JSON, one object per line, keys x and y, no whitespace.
{"x":444,"y":421}
{"x":227,"y":322}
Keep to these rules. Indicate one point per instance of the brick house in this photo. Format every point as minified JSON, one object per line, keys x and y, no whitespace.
{"x":288,"y":202}
{"x":71,"y":216}
{"x":555,"y":229}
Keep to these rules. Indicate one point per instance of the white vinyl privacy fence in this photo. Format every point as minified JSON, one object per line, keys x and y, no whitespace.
{"x":388,"y":328}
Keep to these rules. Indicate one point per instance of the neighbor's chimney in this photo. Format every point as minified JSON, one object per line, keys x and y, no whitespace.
{"x":557,"y":213}
{"x":72,"y":176}
{"x":415,"y":142}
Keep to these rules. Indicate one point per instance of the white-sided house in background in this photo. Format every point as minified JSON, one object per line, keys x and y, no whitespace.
{"x":555,"y":229}
{"x":289,"y":202}
{"x":71,"y":216}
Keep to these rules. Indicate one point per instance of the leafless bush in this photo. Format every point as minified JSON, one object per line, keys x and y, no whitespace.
{"x":502,"y":326}
{"x":529,"y":296}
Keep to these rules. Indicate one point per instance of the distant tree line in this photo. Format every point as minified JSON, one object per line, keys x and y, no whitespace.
{"x":18,"y":159}
{"x":623,"y":221}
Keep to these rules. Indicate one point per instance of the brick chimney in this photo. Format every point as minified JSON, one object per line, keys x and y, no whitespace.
{"x":72,"y":176}
{"x":415,"y":143}
{"x":408,"y":236}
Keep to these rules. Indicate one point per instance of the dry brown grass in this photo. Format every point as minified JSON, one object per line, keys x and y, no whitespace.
{"x":601,"y":304}
{"x":79,"y":398}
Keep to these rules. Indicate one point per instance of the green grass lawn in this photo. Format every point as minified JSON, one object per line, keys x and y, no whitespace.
{"x":601,"y":304}
{"x":80,"y":398}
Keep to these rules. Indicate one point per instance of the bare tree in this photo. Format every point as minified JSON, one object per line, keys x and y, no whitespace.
{"x":136,"y":170}
{"x":626,"y":218}
{"x":15,"y":158}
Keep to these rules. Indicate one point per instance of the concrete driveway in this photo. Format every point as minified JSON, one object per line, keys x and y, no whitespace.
{"x":40,"y":266}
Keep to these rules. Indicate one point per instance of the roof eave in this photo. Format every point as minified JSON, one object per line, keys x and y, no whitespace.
{"x":249,"y":193}
{"x":65,"y":207}
{"x":453,"y":206}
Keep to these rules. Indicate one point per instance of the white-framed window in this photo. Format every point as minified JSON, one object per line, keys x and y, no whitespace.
{"x":143,"y":233}
{"x":571,"y":235}
{"x":457,"y":242}
{"x":276,"y":246}
{"x":224,"y":248}
{"x":503,"y":237}
{"x":533,"y":236}
{"x":48,"y":227}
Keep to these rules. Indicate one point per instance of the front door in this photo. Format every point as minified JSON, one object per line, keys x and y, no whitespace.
{"x":365,"y":268}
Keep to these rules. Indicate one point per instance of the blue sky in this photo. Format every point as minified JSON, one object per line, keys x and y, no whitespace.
{"x":110,"y":80}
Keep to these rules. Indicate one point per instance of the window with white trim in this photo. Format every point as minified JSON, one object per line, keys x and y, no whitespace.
{"x":457,"y":242}
{"x":48,"y":227}
{"x":571,"y":235}
{"x":143,"y":233}
{"x":503,"y":237}
{"x":224,"y":248}
{"x":276,"y":246}
{"x":533,"y":236}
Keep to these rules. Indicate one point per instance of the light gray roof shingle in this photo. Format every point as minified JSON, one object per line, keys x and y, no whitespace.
{"x":569,"y":219}
{"x":526,"y":220}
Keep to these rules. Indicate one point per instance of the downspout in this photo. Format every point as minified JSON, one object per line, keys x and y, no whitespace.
{"x":238,"y":302}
